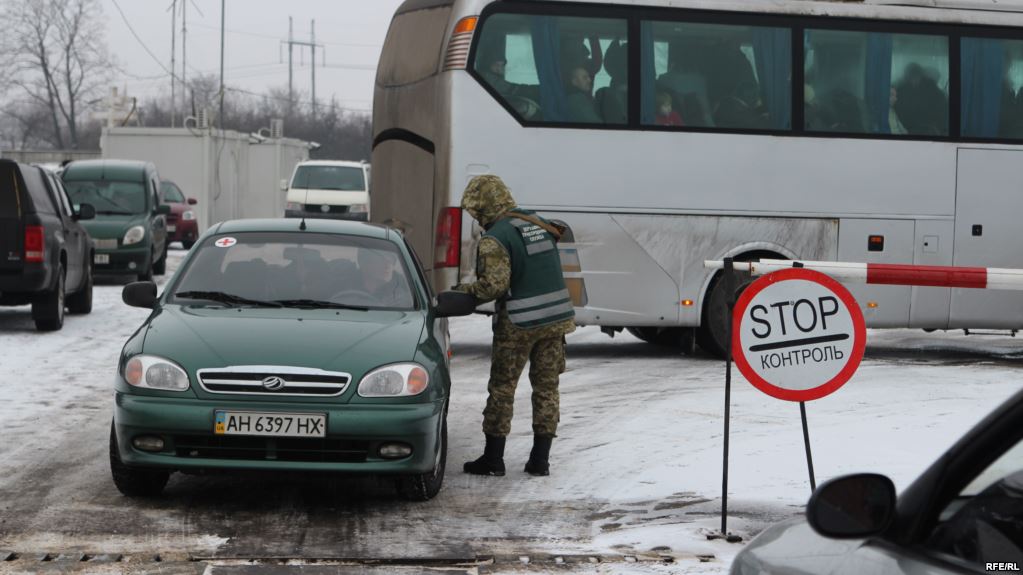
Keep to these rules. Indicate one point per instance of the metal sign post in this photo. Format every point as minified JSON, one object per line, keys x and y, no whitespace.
{"x":728,"y":278}
{"x":806,"y":442}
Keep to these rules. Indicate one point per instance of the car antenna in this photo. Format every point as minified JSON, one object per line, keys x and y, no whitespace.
{"x":301,"y":225}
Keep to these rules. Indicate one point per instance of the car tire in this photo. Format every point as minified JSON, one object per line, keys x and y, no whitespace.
{"x":711,"y":334}
{"x":133,"y":481}
{"x":160,"y":268}
{"x":48,"y":307}
{"x":187,"y":244}
{"x":147,"y":276}
{"x":425,"y":486}
{"x":80,"y":302}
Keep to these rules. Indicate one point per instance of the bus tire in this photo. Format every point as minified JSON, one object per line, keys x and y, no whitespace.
{"x":711,"y":334}
{"x":666,"y":336}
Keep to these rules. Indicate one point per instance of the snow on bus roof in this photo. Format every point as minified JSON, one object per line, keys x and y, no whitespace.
{"x":989,"y":12}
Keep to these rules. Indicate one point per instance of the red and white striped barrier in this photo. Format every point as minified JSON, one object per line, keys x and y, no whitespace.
{"x":892,"y":274}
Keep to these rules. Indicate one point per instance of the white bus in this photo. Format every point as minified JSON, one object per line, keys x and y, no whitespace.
{"x":669,"y":132}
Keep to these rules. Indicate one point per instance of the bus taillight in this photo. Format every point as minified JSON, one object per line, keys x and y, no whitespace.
{"x":458,"y":47}
{"x":449,"y":238}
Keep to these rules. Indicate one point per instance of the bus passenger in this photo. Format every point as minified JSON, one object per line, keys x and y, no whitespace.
{"x":579,"y":97}
{"x":742,"y":109}
{"x":612,"y":100}
{"x":666,"y":116}
{"x":922,"y":106}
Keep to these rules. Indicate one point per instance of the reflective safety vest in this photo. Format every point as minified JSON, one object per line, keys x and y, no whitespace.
{"x":537,"y":295}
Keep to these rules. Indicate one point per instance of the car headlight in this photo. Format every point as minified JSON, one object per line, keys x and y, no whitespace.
{"x":358,"y":208}
{"x":134,"y":235}
{"x":397,"y":380}
{"x":155,"y":372}
{"x":293,"y":206}
{"x":188,"y":215}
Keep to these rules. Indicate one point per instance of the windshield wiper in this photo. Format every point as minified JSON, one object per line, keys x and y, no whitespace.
{"x":317,"y":304}
{"x":230,"y":299}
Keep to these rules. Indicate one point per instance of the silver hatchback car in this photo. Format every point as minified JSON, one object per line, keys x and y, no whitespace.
{"x":963,"y":515}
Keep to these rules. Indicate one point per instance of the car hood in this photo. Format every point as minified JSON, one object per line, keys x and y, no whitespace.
{"x":111,"y":226}
{"x":331,"y":197}
{"x":350,"y":341}
{"x":792,"y":547}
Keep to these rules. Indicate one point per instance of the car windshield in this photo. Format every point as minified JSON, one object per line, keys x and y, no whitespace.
{"x":108,"y":196}
{"x":343,"y":178}
{"x":297,"y":269}
{"x":171,"y":193}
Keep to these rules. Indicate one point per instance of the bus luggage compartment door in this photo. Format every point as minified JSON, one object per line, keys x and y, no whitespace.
{"x":989,"y":201}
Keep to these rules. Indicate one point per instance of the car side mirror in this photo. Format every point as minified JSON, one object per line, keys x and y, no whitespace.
{"x":454,"y":303}
{"x":163,"y":209}
{"x":85,"y":212}
{"x":140,"y":294}
{"x":284,"y":185}
{"x":192,"y":201}
{"x":852,"y":507}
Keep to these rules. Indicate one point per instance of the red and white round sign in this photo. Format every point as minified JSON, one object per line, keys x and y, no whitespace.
{"x":225,"y":242}
{"x":797,"y":334}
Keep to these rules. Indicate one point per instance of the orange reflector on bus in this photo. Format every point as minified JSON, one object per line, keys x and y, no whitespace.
{"x":687,"y":302}
{"x":872,"y":304}
{"x":467,"y":24}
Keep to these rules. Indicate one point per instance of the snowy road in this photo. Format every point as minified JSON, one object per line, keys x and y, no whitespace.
{"x":636,"y":471}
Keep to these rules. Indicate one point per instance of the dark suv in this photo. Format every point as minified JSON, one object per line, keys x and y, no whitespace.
{"x":45,"y":254}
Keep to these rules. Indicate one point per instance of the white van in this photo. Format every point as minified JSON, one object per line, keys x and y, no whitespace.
{"x":328,"y":189}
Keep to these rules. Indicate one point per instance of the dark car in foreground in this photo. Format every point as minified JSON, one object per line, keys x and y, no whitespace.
{"x":130,"y":229}
{"x":287,"y":345}
{"x":963,"y":515}
{"x":45,"y":253}
{"x":181,"y":223}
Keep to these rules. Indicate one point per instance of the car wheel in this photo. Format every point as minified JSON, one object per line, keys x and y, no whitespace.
{"x":80,"y":302}
{"x":711,"y":334}
{"x":424,"y":486}
{"x":187,"y":244}
{"x":147,"y":276}
{"x":48,"y":307}
{"x":160,"y":268}
{"x":131,"y":481}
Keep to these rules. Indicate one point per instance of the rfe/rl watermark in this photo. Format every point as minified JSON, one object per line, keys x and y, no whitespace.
{"x":1001,"y":567}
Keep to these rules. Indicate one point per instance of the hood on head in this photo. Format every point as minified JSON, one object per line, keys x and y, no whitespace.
{"x":486,"y":198}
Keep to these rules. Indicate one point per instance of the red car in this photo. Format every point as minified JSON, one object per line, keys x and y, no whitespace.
{"x":181,"y":223}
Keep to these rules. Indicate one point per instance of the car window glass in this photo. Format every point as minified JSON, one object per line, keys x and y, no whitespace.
{"x":342,"y":178}
{"x":985,"y":523}
{"x":59,"y":194}
{"x":41,"y":199}
{"x":110,"y":197}
{"x":706,"y":75}
{"x":171,"y":193}
{"x":562,"y":69}
{"x":876,"y":83}
{"x":10,"y":200}
{"x":349,"y":270}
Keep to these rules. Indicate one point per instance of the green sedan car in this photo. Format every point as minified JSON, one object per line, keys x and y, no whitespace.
{"x":312,"y":346}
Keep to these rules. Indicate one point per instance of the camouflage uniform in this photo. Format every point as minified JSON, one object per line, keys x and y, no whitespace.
{"x":487,"y":199}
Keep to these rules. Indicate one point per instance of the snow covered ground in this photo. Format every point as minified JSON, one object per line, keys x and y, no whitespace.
{"x":636,"y":469}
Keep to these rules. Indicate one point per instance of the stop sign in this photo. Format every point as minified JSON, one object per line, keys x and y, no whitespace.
{"x":798,"y":335}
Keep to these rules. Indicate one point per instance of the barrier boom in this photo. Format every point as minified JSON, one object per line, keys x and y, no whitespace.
{"x":893,"y":274}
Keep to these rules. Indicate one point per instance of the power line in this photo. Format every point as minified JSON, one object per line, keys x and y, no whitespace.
{"x":285,"y":100}
{"x":277,"y":38}
{"x":139,"y":39}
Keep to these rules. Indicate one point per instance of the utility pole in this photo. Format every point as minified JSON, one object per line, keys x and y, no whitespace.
{"x":313,"y":38}
{"x":174,"y":69}
{"x":220,"y":115}
{"x":291,"y":42}
{"x":184,"y":55}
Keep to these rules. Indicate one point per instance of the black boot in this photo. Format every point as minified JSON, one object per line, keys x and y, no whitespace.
{"x":492,"y":460}
{"x":538,"y":458}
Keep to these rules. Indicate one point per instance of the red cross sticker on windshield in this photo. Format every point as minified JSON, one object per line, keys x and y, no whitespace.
{"x":225,"y":242}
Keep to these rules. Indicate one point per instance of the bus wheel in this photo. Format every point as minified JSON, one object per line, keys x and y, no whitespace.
{"x":711,"y":334}
{"x":676,"y":337}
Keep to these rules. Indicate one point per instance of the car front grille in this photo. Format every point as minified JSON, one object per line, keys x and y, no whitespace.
{"x":318,"y":209}
{"x":110,"y":244}
{"x":312,"y":449}
{"x":274,"y":381}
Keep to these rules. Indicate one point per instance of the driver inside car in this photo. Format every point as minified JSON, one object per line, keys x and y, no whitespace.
{"x":379,"y":279}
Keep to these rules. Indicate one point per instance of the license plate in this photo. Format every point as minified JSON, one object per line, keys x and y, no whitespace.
{"x":270,"y":424}
{"x":101,"y":258}
{"x":172,"y":228}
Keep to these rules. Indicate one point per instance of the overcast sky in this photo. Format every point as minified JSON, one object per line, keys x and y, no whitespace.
{"x":351,"y":30}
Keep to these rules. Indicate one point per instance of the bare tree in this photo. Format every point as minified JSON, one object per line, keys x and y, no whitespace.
{"x":58,"y":58}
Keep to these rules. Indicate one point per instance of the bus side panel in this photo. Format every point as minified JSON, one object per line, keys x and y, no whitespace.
{"x":402,"y":194}
{"x":658,"y":251}
{"x":891,"y":303}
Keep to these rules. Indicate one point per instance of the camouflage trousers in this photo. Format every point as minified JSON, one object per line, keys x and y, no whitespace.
{"x":544,"y":348}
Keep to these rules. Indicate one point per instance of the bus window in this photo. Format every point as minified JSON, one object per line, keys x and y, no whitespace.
{"x":708,"y":75}
{"x":556,"y":69}
{"x":992,"y":104}
{"x":876,"y":83}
